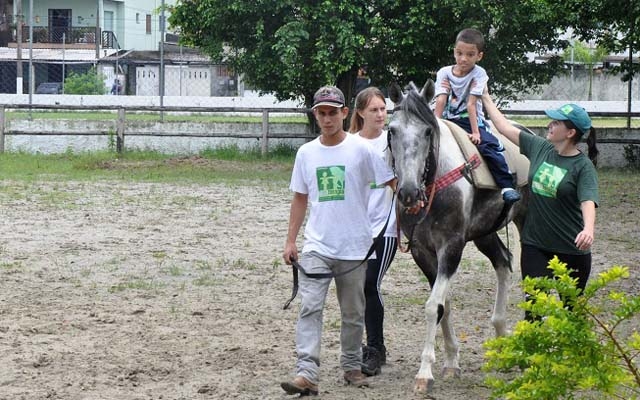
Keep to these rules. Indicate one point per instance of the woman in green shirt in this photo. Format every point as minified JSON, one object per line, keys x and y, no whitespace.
{"x":563,"y":187}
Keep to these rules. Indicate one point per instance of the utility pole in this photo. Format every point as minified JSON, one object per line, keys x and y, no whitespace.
{"x":98,"y":33}
{"x":162,"y":29}
{"x":19,"y":74}
{"x":32,"y":77}
{"x":630,"y":36}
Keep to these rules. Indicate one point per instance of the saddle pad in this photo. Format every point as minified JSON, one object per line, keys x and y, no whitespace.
{"x":482,"y":177}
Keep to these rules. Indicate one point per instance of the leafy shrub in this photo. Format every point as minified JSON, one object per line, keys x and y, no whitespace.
{"x":88,"y":83}
{"x":578,"y":346}
{"x":632,"y":155}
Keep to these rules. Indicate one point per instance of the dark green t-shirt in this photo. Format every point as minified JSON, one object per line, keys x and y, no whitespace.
{"x":557,"y":186}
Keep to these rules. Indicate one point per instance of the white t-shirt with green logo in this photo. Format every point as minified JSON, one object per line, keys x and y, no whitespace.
{"x":337,"y":180}
{"x":382,"y":201}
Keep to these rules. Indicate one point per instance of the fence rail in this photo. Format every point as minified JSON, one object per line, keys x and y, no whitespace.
{"x":120,"y":126}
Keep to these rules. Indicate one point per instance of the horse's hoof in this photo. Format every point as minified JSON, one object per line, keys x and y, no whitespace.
{"x":449,"y":372}
{"x":423,"y":385}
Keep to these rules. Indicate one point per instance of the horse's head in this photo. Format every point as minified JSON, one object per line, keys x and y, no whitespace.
{"x":413,"y":134}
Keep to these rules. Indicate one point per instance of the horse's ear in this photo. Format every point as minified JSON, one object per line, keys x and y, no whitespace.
{"x":395,"y":93}
{"x":428,"y":90}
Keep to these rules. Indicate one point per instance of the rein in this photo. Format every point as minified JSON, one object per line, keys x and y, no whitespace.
{"x":295,"y":265}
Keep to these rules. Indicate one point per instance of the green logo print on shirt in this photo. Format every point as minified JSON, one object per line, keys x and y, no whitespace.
{"x":330,"y":183}
{"x":547,"y":179}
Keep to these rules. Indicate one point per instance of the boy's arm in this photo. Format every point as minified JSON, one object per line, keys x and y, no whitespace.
{"x":472,"y":104}
{"x":441,"y":101}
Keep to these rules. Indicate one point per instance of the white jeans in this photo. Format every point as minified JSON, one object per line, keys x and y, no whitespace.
{"x":313,"y":293}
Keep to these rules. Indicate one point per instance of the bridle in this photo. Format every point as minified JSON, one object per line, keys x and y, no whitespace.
{"x":427,"y":186}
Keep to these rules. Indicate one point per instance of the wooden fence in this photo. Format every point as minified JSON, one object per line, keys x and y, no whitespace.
{"x":120,"y":126}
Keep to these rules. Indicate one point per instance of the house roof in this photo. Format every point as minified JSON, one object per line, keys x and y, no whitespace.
{"x":54,"y":55}
{"x":171,"y":57}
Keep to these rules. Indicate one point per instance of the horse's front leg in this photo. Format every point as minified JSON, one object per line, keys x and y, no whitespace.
{"x":435,"y":311}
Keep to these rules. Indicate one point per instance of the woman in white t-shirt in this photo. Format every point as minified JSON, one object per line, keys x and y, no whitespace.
{"x":368,"y":122}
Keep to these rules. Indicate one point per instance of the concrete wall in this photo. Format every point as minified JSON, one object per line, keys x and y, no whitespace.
{"x":192,"y":137}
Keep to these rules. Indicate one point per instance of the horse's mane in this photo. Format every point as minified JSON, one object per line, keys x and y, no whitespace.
{"x":415,"y":104}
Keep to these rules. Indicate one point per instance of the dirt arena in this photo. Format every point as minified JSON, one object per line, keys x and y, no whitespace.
{"x":114,"y":290}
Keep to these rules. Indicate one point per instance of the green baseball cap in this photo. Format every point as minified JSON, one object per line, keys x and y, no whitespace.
{"x":573,"y":113}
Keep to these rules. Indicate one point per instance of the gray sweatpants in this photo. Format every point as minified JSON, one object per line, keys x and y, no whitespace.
{"x":313,"y":293}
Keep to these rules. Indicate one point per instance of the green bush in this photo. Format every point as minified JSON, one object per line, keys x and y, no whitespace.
{"x":578,"y":346}
{"x":88,"y":83}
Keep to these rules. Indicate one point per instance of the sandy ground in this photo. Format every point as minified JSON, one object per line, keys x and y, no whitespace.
{"x":118,"y":290}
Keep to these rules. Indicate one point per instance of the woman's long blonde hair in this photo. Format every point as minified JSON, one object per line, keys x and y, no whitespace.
{"x":362,"y":100}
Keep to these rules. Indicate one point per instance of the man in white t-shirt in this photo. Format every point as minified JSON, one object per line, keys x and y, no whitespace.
{"x":332,"y":174}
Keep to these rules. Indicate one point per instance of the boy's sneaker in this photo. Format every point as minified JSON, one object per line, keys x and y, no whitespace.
{"x":510,"y":196}
{"x":371,"y":361}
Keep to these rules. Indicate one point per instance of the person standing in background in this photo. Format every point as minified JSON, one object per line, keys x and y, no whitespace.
{"x":563,"y":191}
{"x":332,"y":174}
{"x":368,"y":121}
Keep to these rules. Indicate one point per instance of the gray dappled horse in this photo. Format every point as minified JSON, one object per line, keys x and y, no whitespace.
{"x":424,"y":150}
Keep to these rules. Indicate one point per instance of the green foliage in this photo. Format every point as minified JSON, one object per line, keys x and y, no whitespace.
{"x":614,"y":25}
{"x":588,"y":56}
{"x":579,"y":346}
{"x":632,"y":155}
{"x":88,"y":83}
{"x":296,"y":46}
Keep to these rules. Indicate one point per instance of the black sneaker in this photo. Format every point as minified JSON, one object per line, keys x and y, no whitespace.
{"x":371,"y":361}
{"x":510,"y":196}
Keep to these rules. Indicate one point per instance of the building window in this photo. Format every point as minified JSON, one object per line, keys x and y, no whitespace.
{"x":137,"y":18}
{"x":148,"y":24}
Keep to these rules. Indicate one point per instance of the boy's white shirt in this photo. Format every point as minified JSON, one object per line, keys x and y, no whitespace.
{"x":472,"y":83}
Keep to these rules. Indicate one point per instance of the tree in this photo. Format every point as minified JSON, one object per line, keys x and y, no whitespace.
{"x":615,"y":25}
{"x":587,"y":56}
{"x":292,"y":47}
{"x":88,"y":83}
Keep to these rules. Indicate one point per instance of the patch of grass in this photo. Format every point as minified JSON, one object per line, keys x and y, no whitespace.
{"x":412,"y":300}
{"x":11,"y":267}
{"x":173,"y":270}
{"x":227,"y":164}
{"x":207,"y":280}
{"x":136,"y":284}
{"x":618,"y":186}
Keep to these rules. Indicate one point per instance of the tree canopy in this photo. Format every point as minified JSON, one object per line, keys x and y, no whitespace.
{"x":292,"y":47}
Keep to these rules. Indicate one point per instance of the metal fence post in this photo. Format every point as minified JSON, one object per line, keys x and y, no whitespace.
{"x":2,"y":127}
{"x":265,"y":132}
{"x":120,"y":130}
